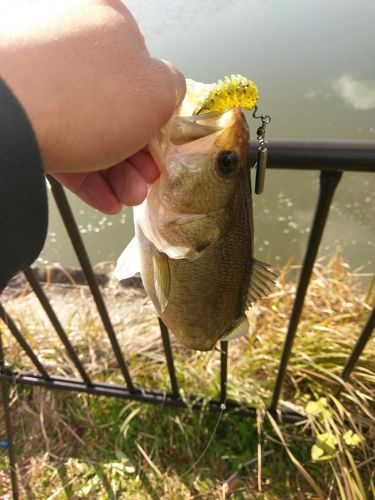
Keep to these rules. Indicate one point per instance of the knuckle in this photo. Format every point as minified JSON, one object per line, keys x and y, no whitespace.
{"x":162,"y":91}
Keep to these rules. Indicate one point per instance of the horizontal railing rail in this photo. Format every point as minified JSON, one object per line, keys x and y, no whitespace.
{"x":332,"y":159}
{"x":321,"y":155}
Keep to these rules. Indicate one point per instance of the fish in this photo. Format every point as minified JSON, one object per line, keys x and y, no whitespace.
{"x":194,"y":233}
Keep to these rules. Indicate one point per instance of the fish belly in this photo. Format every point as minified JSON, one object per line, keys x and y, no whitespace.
{"x":207,"y":295}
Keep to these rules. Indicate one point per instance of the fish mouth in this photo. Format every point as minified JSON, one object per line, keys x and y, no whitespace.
{"x":227,"y":128}
{"x":234,"y":131}
{"x":221,"y":128}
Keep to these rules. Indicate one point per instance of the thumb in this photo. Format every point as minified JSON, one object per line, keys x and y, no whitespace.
{"x":149,"y":97}
{"x":170,"y":89}
{"x":178,"y":79}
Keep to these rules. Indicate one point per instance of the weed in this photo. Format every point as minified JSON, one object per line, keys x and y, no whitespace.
{"x":81,"y":446}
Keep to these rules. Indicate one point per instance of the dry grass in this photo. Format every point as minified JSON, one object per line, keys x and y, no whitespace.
{"x":76,"y":446}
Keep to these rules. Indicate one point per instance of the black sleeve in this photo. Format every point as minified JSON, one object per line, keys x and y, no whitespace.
{"x":23,"y":197}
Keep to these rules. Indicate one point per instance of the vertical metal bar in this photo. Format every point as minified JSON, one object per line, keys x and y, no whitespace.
{"x":223,"y":370}
{"x":169,"y":357}
{"x":8,"y":423}
{"x":35,"y":285}
{"x":75,"y":237}
{"x":23,"y":343}
{"x":359,"y":346}
{"x":328,"y":185}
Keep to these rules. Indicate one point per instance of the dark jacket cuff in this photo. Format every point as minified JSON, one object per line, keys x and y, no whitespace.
{"x":23,"y":196}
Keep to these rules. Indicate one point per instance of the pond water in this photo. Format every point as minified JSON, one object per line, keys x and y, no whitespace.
{"x":314,"y":64}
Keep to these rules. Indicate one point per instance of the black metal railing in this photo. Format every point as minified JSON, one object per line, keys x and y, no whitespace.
{"x":331,"y":158}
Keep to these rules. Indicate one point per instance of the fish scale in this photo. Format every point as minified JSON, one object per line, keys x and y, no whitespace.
{"x":194,"y":231}
{"x":208,"y":294}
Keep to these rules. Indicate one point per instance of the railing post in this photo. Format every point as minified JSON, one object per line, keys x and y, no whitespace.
{"x":169,"y":357}
{"x":80,"y":250}
{"x":8,"y":443}
{"x":328,"y":184}
{"x":223,"y":370}
{"x":23,"y":343}
{"x":35,"y":285}
{"x":359,"y":346}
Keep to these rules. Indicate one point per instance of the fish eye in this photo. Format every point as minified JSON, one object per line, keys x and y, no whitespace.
{"x":227,"y":162}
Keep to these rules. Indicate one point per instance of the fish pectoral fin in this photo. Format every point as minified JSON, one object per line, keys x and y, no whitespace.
{"x":262,"y":282}
{"x":162,"y":278}
{"x":240,"y":329}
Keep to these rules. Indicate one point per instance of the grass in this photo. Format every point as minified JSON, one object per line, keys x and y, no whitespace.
{"x":80,"y":446}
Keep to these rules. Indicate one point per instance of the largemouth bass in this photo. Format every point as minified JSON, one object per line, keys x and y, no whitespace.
{"x":194,"y":232}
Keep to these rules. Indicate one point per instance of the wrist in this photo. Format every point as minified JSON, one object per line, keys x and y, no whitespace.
{"x":17,"y":69}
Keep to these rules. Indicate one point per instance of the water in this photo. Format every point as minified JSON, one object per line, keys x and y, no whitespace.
{"x":313,"y":62}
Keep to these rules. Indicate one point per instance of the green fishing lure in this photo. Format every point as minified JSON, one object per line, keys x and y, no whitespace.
{"x":233,"y":91}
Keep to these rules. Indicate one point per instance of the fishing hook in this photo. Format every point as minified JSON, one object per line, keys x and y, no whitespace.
{"x":261,"y":163}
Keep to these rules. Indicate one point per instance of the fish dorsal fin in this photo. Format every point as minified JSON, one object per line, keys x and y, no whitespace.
{"x":129,"y":262}
{"x":162,"y":278}
{"x":262,"y":281}
{"x":240,"y":329}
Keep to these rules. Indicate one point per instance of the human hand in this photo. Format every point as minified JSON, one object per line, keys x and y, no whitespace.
{"x":110,"y":189}
{"x":93,"y":94}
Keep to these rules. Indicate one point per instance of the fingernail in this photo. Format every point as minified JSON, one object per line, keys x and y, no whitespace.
{"x":180,"y":82}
